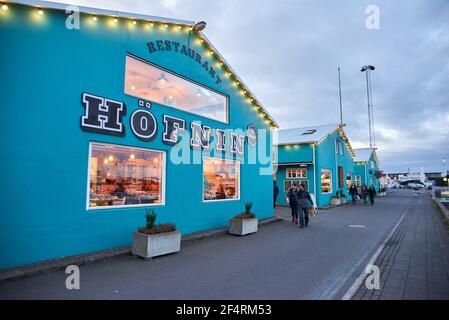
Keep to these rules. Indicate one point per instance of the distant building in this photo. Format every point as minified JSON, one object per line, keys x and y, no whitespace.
{"x":319,"y":157}
{"x":367,"y":168}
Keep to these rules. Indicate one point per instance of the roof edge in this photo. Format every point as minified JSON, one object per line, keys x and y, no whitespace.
{"x":269,"y":120}
{"x":91,"y":10}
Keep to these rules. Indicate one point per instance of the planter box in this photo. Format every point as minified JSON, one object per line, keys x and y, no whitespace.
{"x":343,"y":200}
{"x":148,"y":246}
{"x":242,"y":227}
{"x":335,"y":201}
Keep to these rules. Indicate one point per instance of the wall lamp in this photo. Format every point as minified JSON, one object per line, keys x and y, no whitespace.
{"x":199,"y":26}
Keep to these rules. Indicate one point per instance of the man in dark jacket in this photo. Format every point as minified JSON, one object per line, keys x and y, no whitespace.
{"x":353,"y":193}
{"x":293,"y":202}
{"x":275,"y":193}
{"x":304,"y":201}
{"x":372,"y":194}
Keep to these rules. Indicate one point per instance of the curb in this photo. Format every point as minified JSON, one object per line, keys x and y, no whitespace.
{"x":46,"y":266}
{"x":443,"y":209}
{"x":360,"y":279}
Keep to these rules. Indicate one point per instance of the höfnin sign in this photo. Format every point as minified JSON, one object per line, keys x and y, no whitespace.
{"x":103,"y":115}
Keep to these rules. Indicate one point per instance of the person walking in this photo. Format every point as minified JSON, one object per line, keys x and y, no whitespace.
{"x":372,"y":194}
{"x":304,"y":202}
{"x":364,"y":194}
{"x":292,"y":200}
{"x":353,"y":193}
{"x":275,"y":193}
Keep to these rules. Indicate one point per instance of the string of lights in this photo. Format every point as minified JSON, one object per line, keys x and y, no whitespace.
{"x":200,"y":40}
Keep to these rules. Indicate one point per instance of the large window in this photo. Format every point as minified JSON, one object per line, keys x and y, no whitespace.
{"x":290,"y":183}
{"x":152,"y":83}
{"x":125,"y":176}
{"x":221,"y":179}
{"x":293,"y":173}
{"x":326,"y":181}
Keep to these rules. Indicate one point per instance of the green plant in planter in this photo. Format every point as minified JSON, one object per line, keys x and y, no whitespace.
{"x":152,"y":228}
{"x":248,"y":206}
{"x":337,"y":195}
{"x":150,"y":218}
{"x":247,"y":214}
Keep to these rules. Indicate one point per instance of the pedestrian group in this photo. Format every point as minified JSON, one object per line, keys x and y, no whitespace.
{"x":366,"y":194}
{"x":302,"y":202}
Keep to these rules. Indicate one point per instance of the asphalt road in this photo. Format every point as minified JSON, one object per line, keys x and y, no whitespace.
{"x":281,"y":261}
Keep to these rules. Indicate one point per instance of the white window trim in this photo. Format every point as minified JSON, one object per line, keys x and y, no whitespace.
{"x":358,"y":182}
{"x":299,"y":168}
{"x":332,"y":183}
{"x":350,"y":180}
{"x":163,"y":179}
{"x":202,"y":181}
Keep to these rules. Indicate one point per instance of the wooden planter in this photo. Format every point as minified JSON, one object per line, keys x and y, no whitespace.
{"x":148,"y":246}
{"x":343,"y":200}
{"x":242,"y":227}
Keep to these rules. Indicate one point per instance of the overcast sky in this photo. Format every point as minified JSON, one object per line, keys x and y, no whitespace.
{"x":287,"y":52}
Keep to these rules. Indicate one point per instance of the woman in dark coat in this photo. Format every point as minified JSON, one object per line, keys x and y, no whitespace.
{"x":372,"y":193}
{"x":353,"y":192}
{"x":364,"y":194}
{"x":293,"y":202}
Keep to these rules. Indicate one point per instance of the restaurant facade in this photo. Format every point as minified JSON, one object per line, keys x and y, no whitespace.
{"x":109,"y":113}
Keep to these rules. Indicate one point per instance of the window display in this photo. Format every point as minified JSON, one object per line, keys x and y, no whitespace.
{"x":124,"y":176}
{"x":296,"y":173}
{"x":148,"y":82}
{"x":221,"y":179}
{"x":326,"y":181}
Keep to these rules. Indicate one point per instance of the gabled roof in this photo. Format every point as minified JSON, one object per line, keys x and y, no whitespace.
{"x":305,"y":134}
{"x":238,"y":83}
{"x":364,"y":155}
{"x":313,"y":134}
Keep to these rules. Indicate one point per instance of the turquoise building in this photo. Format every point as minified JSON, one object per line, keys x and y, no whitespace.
{"x":367,"y":168}
{"x":106,"y":114}
{"x":320,"y":157}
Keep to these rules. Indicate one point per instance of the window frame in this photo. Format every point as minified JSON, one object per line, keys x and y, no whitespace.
{"x":330,"y":178}
{"x":297,"y":177}
{"x":298,"y":181}
{"x":238,"y":181}
{"x":163,"y":178}
{"x":351,"y":180}
{"x":182,"y":77}
{"x":358,"y":182}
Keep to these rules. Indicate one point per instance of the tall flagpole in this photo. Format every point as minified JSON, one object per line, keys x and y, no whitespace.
{"x":339,"y":91}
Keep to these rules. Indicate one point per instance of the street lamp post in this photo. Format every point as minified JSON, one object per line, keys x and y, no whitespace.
{"x":369,"y":95}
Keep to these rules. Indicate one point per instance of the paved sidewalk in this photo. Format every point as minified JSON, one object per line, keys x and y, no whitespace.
{"x":415,"y":262}
{"x":280,"y":261}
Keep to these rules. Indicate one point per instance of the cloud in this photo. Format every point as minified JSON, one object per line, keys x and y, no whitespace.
{"x":288,"y":52}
